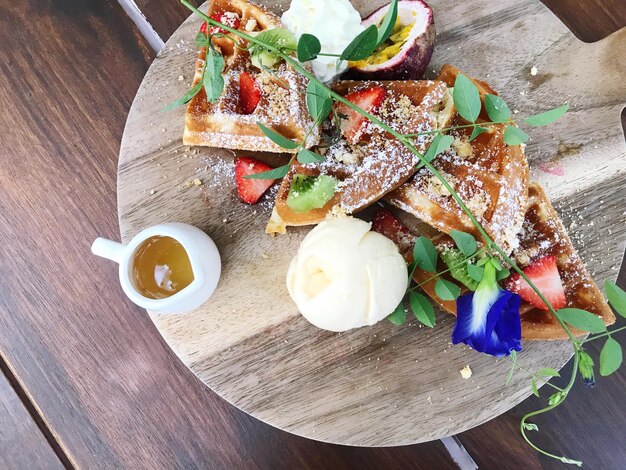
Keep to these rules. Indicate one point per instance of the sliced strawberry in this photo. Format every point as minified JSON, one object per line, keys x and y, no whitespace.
{"x":544,"y":274}
{"x":249,"y":93}
{"x":385,"y":223}
{"x":250,"y":190}
{"x":352,"y":123}
{"x":228,"y":18}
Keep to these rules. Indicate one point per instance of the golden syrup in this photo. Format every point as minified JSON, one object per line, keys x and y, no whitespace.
{"x":161,"y":268}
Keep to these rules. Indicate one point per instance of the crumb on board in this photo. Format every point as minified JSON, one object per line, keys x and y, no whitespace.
{"x":197,"y":182}
{"x":466,"y":372}
{"x":533,"y":70}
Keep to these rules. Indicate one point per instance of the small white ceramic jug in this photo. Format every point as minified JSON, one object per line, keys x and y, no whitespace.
{"x":203,"y":256}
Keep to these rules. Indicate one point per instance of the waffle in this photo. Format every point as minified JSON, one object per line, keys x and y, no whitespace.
{"x":369,"y":170}
{"x":490,"y":177}
{"x":542,"y":234}
{"x":282,"y":106}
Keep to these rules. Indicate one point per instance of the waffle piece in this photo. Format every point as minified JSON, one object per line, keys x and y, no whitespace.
{"x":542,"y":234}
{"x":282,"y":106}
{"x":378,"y":164}
{"x":490,"y":177}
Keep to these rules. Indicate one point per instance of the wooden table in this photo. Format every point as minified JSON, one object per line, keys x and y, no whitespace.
{"x":86,"y":379}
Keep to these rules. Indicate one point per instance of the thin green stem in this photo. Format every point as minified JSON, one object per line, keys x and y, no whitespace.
{"x":602,"y":335}
{"x":453,"y":128}
{"x":322,"y":54}
{"x":536,"y":377}
{"x":565,"y":392}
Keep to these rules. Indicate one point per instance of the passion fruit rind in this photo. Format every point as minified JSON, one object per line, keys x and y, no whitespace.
{"x":412,"y":58}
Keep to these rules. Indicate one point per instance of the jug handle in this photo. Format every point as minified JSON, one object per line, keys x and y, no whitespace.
{"x":108,"y":249}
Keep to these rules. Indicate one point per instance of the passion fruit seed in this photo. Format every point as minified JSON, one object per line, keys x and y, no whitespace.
{"x":310,"y":192}
{"x":407,"y":51}
{"x":389,"y":49}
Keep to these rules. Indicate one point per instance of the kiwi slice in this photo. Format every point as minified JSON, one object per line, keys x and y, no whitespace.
{"x":458,"y":269}
{"x":310,"y":192}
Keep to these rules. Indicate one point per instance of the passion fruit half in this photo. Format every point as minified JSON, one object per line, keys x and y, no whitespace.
{"x":407,"y":52}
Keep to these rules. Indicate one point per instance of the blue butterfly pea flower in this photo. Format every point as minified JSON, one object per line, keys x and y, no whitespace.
{"x":488,"y":320}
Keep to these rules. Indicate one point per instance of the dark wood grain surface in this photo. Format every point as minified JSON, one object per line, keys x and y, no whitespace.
{"x":94,"y":371}
{"x":22,"y":444}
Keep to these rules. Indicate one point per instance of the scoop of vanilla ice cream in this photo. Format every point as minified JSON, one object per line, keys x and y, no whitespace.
{"x":334,"y":22}
{"x":344,"y":276}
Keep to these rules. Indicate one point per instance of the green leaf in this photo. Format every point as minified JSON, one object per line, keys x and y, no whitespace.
{"x":306,"y":156}
{"x":502,"y":274}
{"x":202,"y":39}
{"x":548,"y":372}
{"x":509,"y":376}
{"x":465,"y":242}
{"x":274,"y":174}
{"x":186,"y":98}
{"x":582,"y":320}
{"x":308,"y":47}
{"x":533,"y":387}
{"x":318,"y":101}
{"x":398,"y":317}
{"x":496,"y":263}
{"x":610,"y":357}
{"x":496,"y":108}
{"x":466,"y":98}
{"x":212,"y":78}
{"x":386,"y":27}
{"x":425,"y":254}
{"x":548,"y":117}
{"x":514,"y":136}
{"x":616,"y":296}
{"x":447,"y":290}
{"x":483,"y":261}
{"x":531,"y":426}
{"x":475,"y":272}
{"x":476,"y":131}
{"x":412,"y":268}
{"x":361,"y":46}
{"x":440,"y":144}
{"x":278,"y":139}
{"x":422,"y":309}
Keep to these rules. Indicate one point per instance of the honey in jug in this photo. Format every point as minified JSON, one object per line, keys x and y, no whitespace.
{"x":161,"y":268}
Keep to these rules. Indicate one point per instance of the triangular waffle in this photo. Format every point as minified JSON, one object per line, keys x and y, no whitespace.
{"x":370,"y":169}
{"x":490,"y":177}
{"x":282,"y":106}
{"x":542,"y":234}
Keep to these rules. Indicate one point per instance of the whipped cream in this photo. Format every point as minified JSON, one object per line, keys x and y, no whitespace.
{"x":344,"y":276}
{"x":334,"y":22}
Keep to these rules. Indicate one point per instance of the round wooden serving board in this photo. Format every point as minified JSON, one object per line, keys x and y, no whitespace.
{"x":382,"y":385}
